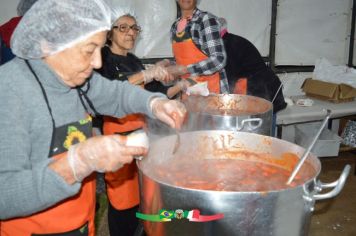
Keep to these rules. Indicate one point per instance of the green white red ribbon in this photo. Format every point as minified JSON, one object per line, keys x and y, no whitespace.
{"x":166,"y":215}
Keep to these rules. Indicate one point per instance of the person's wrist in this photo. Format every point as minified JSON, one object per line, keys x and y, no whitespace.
{"x":180,"y":85}
{"x":72,"y":158}
{"x":184,"y":70}
{"x":154,"y":101}
{"x":146,"y":78}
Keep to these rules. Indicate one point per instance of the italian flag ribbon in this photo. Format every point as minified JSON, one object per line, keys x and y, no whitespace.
{"x":167,"y":215}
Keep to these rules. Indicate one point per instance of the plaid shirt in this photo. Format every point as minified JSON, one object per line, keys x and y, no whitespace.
{"x":205,"y":32}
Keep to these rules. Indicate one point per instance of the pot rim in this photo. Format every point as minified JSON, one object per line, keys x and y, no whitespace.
{"x":312,"y":159}
{"x":228,"y":192}
{"x":192,"y":98}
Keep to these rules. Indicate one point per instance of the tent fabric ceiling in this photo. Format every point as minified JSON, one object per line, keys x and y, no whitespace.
{"x":305,"y":30}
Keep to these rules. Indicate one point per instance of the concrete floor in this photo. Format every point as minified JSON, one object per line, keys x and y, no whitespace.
{"x":332,"y":217}
{"x":336,"y":216}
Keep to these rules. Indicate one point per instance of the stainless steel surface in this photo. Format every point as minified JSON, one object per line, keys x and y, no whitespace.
{"x":229,"y":112}
{"x":139,"y":158}
{"x":277,"y":213}
{"x":337,"y":185}
{"x":307,"y":151}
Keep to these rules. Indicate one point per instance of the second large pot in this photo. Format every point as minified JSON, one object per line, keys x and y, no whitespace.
{"x":229,"y":112}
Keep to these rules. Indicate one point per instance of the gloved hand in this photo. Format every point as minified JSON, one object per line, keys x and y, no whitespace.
{"x":164,"y":63}
{"x":102,"y":154}
{"x":158,"y":73}
{"x":183,"y":84}
{"x":177,"y":70}
{"x":171,"y":112}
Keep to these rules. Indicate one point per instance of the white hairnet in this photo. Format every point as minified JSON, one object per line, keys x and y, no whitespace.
{"x":122,"y":11}
{"x":23,"y":6}
{"x":50,"y":26}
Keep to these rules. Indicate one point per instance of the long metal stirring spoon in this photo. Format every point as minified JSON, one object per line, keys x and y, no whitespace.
{"x":275,"y":95}
{"x":307,"y":151}
{"x":177,"y":143}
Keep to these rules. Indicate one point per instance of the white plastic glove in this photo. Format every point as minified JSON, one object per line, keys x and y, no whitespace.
{"x":177,"y":70}
{"x":171,"y":112}
{"x":164,"y":63}
{"x":102,"y":153}
{"x":158,"y":73}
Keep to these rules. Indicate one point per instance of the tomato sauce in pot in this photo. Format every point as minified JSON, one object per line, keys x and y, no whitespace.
{"x":231,"y":170}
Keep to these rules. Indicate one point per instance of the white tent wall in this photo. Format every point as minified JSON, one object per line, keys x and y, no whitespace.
{"x":354,"y":53}
{"x":7,"y":10}
{"x":157,"y":16}
{"x":154,"y":40}
{"x":306,"y":29}
{"x":250,"y":19}
{"x":292,"y":82}
{"x":310,"y":29}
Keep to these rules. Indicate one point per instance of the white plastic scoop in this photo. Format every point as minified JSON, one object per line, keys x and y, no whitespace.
{"x":138,"y":139}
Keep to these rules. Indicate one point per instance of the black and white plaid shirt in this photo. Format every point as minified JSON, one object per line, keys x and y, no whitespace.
{"x":205,"y":32}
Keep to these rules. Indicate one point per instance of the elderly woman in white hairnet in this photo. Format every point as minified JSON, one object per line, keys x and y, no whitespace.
{"x":49,"y":94}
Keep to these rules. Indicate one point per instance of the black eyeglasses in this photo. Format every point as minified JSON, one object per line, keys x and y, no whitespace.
{"x":124,"y":28}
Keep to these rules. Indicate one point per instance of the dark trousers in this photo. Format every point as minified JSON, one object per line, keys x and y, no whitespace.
{"x":122,"y":222}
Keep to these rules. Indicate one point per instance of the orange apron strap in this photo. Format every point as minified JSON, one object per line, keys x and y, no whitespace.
{"x":241,"y":86}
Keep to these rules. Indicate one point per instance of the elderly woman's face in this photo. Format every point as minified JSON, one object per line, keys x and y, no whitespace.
{"x":75,"y":65}
{"x":124,"y":34}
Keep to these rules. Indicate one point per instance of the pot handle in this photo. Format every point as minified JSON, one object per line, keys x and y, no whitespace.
{"x":251,"y":127}
{"x":338,"y":185}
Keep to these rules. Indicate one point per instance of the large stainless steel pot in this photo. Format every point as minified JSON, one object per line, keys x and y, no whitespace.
{"x":229,"y":112}
{"x":279,"y":212}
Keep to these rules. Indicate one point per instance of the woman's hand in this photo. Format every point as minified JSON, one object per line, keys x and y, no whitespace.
{"x":157,"y":72}
{"x":171,"y":112}
{"x":177,"y":70}
{"x":102,"y":153}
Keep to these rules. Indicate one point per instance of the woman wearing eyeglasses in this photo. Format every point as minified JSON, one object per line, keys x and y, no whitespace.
{"x":120,"y":64}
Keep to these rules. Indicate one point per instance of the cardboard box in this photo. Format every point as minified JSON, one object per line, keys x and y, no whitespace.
{"x":328,"y":91}
{"x":327,"y":145}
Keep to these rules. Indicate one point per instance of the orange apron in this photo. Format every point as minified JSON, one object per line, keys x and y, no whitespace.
{"x":122,"y":185}
{"x":186,"y":53}
{"x":240,"y":86}
{"x":71,"y":216}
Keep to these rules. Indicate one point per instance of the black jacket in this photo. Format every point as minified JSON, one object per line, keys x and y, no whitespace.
{"x":120,"y":67}
{"x":244,"y":61}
